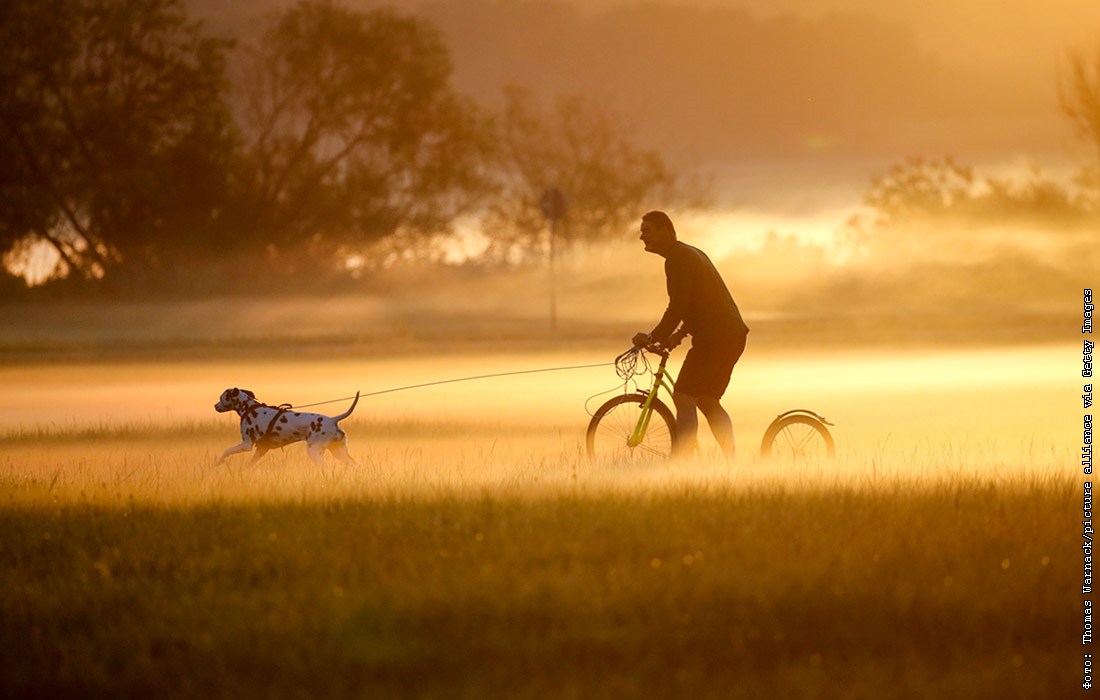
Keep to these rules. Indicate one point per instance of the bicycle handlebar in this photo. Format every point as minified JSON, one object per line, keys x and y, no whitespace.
{"x":663,"y":349}
{"x":658,"y":349}
{"x":655,"y":348}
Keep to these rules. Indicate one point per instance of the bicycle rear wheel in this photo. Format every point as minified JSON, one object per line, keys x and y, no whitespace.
{"x":798,"y":438}
{"x":613,"y":425}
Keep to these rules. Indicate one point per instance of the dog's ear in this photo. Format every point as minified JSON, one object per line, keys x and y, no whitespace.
{"x":231,"y":393}
{"x":250,"y":394}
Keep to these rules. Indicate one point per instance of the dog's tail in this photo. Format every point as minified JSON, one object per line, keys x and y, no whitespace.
{"x":347,"y":413}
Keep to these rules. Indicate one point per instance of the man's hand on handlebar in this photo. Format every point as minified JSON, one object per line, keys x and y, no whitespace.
{"x":647,"y":342}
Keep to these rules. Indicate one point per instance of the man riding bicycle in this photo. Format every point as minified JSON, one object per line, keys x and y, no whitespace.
{"x":699,"y":299}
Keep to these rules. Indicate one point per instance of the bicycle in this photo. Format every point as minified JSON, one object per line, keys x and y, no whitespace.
{"x":624,"y":429}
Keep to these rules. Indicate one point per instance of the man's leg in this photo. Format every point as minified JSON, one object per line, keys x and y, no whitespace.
{"x":719,"y":421}
{"x":703,"y":379}
{"x":687,"y":423}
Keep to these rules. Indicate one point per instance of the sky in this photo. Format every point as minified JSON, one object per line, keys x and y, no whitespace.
{"x":737,"y":80}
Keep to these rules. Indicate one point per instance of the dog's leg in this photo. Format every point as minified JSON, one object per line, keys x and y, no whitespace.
{"x":341,"y":452}
{"x":260,"y":452}
{"x":316,"y":453}
{"x":243,"y":447}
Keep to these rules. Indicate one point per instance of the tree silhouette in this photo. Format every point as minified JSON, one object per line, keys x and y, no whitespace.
{"x":578,"y":146}
{"x":112,"y":126}
{"x":1081,"y":103}
{"x":353,"y":132}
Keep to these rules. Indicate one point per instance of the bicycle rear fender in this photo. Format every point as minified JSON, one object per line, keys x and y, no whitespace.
{"x":807,"y":412}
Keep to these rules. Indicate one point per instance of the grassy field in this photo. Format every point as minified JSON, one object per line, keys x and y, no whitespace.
{"x":476,"y":554}
{"x":699,"y":588}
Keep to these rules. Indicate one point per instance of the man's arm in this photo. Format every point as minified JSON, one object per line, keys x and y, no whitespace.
{"x":642,"y":340}
{"x":666,"y":325}
{"x":679,"y":293}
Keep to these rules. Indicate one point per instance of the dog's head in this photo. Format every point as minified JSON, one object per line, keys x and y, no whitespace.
{"x":234,"y":400}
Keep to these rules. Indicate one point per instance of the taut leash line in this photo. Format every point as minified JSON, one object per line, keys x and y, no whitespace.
{"x":460,"y":379}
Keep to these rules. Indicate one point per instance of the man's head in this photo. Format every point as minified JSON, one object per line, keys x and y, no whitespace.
{"x":658,"y":233}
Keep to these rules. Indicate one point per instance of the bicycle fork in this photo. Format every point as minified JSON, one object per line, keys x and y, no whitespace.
{"x":647,"y":409}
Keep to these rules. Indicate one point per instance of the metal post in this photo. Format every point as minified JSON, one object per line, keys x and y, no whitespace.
{"x":553,"y":207}
{"x":553,"y":279}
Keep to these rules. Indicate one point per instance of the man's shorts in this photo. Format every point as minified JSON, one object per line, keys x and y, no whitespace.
{"x":708,"y":366}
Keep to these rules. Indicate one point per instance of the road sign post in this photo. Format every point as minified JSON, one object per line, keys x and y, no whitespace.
{"x":553,"y":208}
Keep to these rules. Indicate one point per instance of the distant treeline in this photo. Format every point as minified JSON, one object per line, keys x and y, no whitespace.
{"x":137,"y":154}
{"x":142,"y":150}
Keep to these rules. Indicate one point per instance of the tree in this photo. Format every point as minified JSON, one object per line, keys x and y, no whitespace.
{"x":113,"y":132}
{"x":920,"y":189}
{"x":354,"y":132}
{"x":925,"y":204}
{"x":577,"y":146}
{"x":1081,"y":103}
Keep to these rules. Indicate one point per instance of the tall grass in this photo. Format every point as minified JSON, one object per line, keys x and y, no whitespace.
{"x":475,"y":552}
{"x":479,"y":561}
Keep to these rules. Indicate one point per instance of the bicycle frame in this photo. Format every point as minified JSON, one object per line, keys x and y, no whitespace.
{"x":661,"y":378}
{"x":798,"y":434}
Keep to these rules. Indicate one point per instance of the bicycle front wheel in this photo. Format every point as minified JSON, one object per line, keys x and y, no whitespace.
{"x":798,"y":438}
{"x":615,"y":423}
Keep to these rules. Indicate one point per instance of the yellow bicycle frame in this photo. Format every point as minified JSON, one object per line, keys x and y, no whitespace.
{"x":661,"y":378}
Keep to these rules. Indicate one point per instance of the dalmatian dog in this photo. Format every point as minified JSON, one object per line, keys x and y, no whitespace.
{"x":268,"y":427}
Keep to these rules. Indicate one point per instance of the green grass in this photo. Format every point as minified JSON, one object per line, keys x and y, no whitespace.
{"x":700,"y":588}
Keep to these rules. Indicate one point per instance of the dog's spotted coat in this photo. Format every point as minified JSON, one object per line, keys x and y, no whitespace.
{"x":266,"y":427}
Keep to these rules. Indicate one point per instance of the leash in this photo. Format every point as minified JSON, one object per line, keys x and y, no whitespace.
{"x":279,"y":411}
{"x":460,"y":379}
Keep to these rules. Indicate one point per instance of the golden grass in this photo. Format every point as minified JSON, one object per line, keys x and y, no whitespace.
{"x":476,"y":553}
{"x":287,"y":582}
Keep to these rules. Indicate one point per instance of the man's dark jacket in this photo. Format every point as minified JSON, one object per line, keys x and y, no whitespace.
{"x":698,"y":297}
